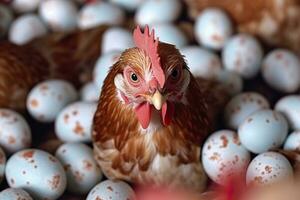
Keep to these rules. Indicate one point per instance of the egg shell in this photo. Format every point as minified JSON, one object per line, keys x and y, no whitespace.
{"x":292,"y":143}
{"x":289,"y":106}
{"x":202,"y":62}
{"x":243,"y":105}
{"x":128,"y":5}
{"x":14,"y":194}
{"x":81,"y":168}
{"x":224,"y":157}
{"x":2,"y":164}
{"x":281,"y":70}
{"x":89,"y":92}
{"x":15,"y":133}
{"x":231,"y":81}
{"x":213,"y":28}
{"x":37,"y":172}
{"x":243,"y":54}
{"x":74,"y":122}
{"x":48,"y":98}
{"x":59,"y":15}
{"x":269,"y":168}
{"x":26,"y":28}
{"x":263,"y":130}
{"x":169,"y":33}
{"x":102,"y":67}
{"x":116,"y":39}
{"x":99,"y":12}
{"x":111,"y":190}
{"x":5,"y":19}
{"x":23,"y":6}
{"x":154,"y":12}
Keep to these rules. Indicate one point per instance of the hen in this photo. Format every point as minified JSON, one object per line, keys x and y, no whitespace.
{"x":152,"y":117}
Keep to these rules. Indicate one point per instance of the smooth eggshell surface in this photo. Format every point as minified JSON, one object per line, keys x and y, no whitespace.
{"x":128,"y":5}
{"x":89,"y":92}
{"x":14,"y":194}
{"x":292,"y":143}
{"x":22,"y":6}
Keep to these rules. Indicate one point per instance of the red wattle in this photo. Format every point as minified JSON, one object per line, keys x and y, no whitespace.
{"x":167,"y":113}
{"x":143,"y":113}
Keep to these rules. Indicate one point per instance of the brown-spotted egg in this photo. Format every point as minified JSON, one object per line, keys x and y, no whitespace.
{"x":263,"y":130}
{"x":2,"y":164}
{"x":81,"y":168}
{"x":292,"y":143}
{"x":48,"y":98}
{"x":15,"y":133}
{"x":223,"y":157}
{"x":268,"y":168}
{"x":14,"y":194}
{"x":5,"y":19}
{"x":74,"y":122}
{"x":111,"y":190}
{"x":37,"y":172}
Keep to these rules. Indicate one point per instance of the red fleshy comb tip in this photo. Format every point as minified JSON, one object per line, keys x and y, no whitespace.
{"x":149,"y":44}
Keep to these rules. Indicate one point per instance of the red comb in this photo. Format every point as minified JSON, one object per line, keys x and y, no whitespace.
{"x":149,"y":44}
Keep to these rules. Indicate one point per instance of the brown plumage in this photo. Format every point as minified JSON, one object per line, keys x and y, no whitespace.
{"x":160,"y":155}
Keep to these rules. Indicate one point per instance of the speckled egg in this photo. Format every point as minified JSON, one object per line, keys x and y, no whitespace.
{"x":102,"y":67}
{"x":2,"y":164}
{"x":89,"y":92}
{"x":243,"y":105}
{"x":169,"y":33}
{"x":263,"y":130}
{"x":281,"y":70}
{"x":14,"y":194}
{"x":81,"y":168}
{"x":111,"y":190}
{"x":116,"y":39}
{"x":289,"y":106}
{"x":99,"y":12}
{"x":224,"y":157}
{"x":48,"y":98}
{"x":292,"y":143}
{"x":268,"y":168}
{"x":213,"y":28}
{"x":154,"y":12}
{"x":232,"y":82}
{"x":128,"y":5}
{"x":202,"y":63}
{"x":37,"y":172}
{"x":74,"y":122}
{"x":243,"y":54}
{"x":22,"y":6}
{"x":59,"y":15}
{"x":15,"y":133}
{"x":5,"y":19}
{"x":26,"y":28}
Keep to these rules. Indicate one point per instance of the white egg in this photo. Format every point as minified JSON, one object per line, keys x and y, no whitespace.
{"x":223,"y":157}
{"x":169,"y":33}
{"x":243,"y":105}
{"x":243,"y":54}
{"x":2,"y":164}
{"x":281,"y":70}
{"x":89,"y":92}
{"x":263,"y":130}
{"x":59,"y":15}
{"x":111,"y":190}
{"x":48,"y":98}
{"x":289,"y":106}
{"x":154,"y":12}
{"x":74,"y":122}
{"x":81,"y":168}
{"x":103,"y":64}
{"x":128,"y":5}
{"x":268,"y":168}
{"x":202,"y":63}
{"x":14,"y":194}
{"x":292,"y":142}
{"x":213,"y":28}
{"x":22,"y":6}
{"x":116,"y":39}
{"x":15,"y":133}
{"x":37,"y":172}
{"x":5,"y":19}
{"x":98,"y":13}
{"x":232,"y":82}
{"x":26,"y":28}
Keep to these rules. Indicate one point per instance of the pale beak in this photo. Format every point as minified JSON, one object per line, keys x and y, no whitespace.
{"x":158,"y":100}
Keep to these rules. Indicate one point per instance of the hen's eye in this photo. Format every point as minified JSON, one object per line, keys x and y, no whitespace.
{"x":134,"y":77}
{"x":175,"y":73}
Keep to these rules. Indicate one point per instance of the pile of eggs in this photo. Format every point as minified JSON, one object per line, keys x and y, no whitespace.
{"x":254,"y":125}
